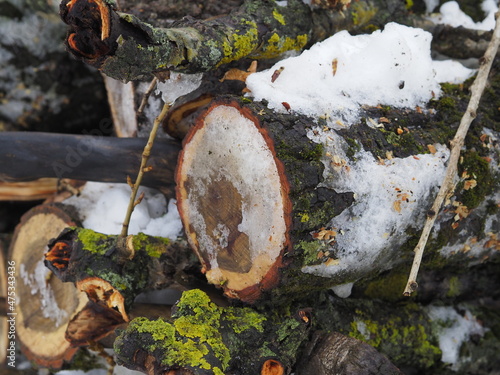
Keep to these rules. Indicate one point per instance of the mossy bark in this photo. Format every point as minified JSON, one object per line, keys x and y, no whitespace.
{"x":131,"y":265}
{"x":206,"y":339}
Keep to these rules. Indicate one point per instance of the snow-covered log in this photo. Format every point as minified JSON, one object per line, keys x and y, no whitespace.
{"x":266,"y":195}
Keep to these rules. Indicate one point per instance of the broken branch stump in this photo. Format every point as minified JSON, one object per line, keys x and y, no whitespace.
{"x":112,"y":271}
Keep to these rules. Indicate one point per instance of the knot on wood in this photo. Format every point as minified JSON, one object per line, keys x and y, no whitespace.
{"x":58,"y":255}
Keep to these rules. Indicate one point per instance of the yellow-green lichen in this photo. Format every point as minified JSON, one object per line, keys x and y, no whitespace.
{"x":278,"y":16}
{"x":276,"y":45}
{"x":175,"y":350}
{"x":94,"y":242}
{"x":304,"y":218}
{"x":241,"y":45}
{"x":399,"y":338}
{"x":153,"y":246}
{"x":362,"y":13}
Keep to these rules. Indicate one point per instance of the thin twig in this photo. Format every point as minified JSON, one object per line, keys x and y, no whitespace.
{"x":99,"y":348}
{"x":146,"y":96}
{"x":457,"y":143}
{"x":143,"y":169}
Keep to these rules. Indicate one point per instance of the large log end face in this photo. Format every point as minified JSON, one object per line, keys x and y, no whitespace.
{"x":233,"y":199}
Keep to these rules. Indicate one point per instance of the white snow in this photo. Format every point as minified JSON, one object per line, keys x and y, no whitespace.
{"x":102,"y":207}
{"x":430,"y":5}
{"x":388,"y":195}
{"x":451,"y":14}
{"x":451,"y":71}
{"x":456,"y":329}
{"x":343,"y":290}
{"x":335,"y":77}
{"x":178,"y":85}
{"x":38,"y":283}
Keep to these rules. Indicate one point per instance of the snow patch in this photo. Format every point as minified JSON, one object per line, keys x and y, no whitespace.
{"x":451,"y":14}
{"x":335,"y":77}
{"x":456,"y":329}
{"x":178,"y":85}
{"x":452,"y":71}
{"x":343,"y":290}
{"x":102,"y":207}
{"x":38,"y":283}
{"x":388,"y":200}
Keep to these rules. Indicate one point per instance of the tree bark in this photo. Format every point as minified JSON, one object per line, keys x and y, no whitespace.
{"x":43,"y":89}
{"x":113,"y":270}
{"x":30,"y":155}
{"x":206,"y":339}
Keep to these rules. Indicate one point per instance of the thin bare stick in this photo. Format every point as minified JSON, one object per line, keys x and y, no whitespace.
{"x":146,"y":96}
{"x":457,"y":143}
{"x":143,"y":169}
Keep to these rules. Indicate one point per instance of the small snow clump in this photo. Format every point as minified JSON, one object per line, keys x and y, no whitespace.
{"x":456,"y":329}
{"x":451,"y":14}
{"x":178,"y":85}
{"x":102,"y":207}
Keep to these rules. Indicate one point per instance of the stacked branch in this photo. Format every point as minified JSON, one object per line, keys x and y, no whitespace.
{"x":112,"y":271}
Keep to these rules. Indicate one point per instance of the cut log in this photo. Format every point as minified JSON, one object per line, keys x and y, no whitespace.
{"x":29,"y":155}
{"x":45,"y":304}
{"x":4,"y":339}
{"x":236,"y":195}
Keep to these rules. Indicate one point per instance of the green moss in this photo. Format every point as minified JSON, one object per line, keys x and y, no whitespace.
{"x":153,"y":246}
{"x":478,"y":169}
{"x":242,"y":319}
{"x":316,"y":152}
{"x":399,"y":338}
{"x":453,"y":287}
{"x":389,"y":288}
{"x":95,"y":242}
